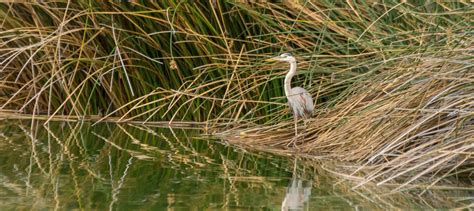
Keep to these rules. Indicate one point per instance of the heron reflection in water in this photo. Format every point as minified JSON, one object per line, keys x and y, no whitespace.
{"x":297,"y":194}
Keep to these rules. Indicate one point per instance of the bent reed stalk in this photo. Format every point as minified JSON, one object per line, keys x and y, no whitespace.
{"x":393,"y":82}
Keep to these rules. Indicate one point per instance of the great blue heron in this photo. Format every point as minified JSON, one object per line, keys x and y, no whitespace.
{"x":299,"y":99}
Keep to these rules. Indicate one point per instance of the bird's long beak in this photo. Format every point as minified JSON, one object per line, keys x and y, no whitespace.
{"x":273,"y":59}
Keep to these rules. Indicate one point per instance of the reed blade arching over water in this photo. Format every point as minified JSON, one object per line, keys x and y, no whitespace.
{"x":393,"y":81}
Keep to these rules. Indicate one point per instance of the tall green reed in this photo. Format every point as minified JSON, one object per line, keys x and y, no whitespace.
{"x":199,"y":61}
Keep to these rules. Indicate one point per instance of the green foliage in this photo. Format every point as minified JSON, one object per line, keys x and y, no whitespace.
{"x":201,"y":61}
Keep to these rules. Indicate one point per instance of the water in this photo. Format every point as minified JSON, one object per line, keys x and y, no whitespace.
{"x":129,"y":167}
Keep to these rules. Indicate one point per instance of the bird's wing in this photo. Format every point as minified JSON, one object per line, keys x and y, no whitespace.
{"x":300,"y":102}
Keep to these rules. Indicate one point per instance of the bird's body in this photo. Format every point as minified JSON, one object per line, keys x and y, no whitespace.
{"x":299,"y":99}
{"x":300,"y":102}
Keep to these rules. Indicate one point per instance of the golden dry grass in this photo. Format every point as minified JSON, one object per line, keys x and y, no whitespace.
{"x":412,"y":121}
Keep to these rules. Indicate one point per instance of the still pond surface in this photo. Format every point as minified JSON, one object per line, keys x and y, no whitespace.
{"x":76,"y":166}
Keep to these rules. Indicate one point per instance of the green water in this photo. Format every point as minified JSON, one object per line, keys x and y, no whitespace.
{"x":134,"y":167}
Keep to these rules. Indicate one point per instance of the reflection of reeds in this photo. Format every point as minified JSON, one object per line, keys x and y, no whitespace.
{"x":72,"y":163}
{"x":99,"y":167}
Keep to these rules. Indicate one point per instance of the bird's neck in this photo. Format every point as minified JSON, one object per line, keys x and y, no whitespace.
{"x":288,"y":77}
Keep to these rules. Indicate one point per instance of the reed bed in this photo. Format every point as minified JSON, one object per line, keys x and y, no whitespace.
{"x":409,"y":125}
{"x":392,"y":81}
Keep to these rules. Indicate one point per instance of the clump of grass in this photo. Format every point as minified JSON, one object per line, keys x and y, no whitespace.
{"x":392,"y":81}
{"x":413,"y":120}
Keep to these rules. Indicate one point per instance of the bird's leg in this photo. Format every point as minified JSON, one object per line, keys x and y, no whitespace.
{"x":296,"y":126}
{"x":295,"y":139}
{"x":305,"y":126}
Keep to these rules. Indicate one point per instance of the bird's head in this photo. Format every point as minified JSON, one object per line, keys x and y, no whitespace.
{"x":286,"y":57}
